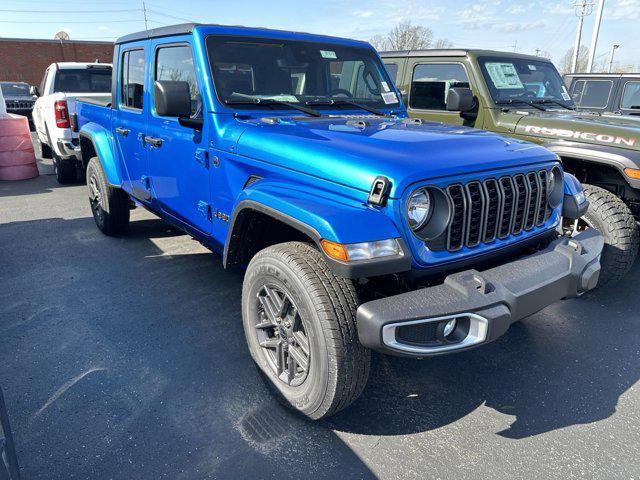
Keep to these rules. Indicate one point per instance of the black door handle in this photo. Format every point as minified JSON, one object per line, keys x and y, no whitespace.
{"x":153,"y":141}
{"x":122,"y":131}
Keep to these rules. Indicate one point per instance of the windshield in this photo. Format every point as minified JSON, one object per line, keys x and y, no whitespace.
{"x":14,"y":89}
{"x":513,"y":79}
{"x":83,"y":80}
{"x":245,"y":69}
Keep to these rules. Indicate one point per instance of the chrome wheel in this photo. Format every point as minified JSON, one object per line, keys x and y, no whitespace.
{"x":282,"y":336}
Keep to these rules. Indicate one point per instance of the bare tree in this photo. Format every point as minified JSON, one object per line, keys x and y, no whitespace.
{"x":443,"y":43}
{"x":404,"y":36}
{"x":379,"y":42}
{"x":567,"y":59}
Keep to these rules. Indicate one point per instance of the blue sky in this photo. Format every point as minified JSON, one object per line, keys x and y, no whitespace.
{"x":496,"y":24}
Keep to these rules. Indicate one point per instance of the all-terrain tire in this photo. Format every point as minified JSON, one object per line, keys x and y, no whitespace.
{"x":609,"y":214}
{"x":327,"y":304}
{"x":110,"y":206}
{"x":66,"y":171}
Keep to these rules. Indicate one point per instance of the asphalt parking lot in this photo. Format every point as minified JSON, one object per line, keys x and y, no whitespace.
{"x":125,"y":358}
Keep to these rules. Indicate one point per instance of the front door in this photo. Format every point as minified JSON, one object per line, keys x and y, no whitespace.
{"x":130,"y":121}
{"x":429,"y":87}
{"x":179,"y":163}
{"x":630,"y":99}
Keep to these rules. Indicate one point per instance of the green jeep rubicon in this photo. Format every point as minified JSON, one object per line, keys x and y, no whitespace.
{"x":524,"y":96}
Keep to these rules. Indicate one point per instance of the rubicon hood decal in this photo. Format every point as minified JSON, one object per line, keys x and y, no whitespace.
{"x":578,"y":135}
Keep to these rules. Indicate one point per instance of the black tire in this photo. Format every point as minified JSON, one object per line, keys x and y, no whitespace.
{"x":66,"y":171}
{"x":45,"y":150}
{"x":326,"y":306}
{"x":611,"y":216}
{"x":110,"y":206}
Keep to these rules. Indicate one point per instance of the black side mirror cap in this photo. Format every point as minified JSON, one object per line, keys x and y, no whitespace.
{"x":172,"y":98}
{"x":460,"y":99}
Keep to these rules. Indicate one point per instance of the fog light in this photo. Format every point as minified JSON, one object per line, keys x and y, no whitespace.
{"x":449,"y":327}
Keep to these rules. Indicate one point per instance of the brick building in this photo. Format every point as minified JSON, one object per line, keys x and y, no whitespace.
{"x":23,"y":59}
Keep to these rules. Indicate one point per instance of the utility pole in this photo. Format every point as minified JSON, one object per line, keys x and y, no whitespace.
{"x":144,"y":12}
{"x":537,"y":52}
{"x":582,"y":9}
{"x":613,"y":51}
{"x":594,"y":37}
{"x":515,"y":45}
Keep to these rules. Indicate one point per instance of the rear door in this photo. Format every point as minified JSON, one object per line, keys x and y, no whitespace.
{"x":429,"y":85}
{"x":130,"y":119}
{"x":179,"y":162}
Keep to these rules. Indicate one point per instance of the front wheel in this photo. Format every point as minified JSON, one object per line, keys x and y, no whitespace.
{"x":610,"y":216}
{"x":299,"y":321}
{"x":110,"y":206}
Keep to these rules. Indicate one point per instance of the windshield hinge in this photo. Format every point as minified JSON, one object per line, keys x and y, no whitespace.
{"x":202,"y":157}
{"x":379,"y":191}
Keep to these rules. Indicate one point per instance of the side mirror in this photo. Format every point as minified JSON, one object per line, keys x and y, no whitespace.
{"x":34,"y":91}
{"x":172,"y":99}
{"x":460,"y":99}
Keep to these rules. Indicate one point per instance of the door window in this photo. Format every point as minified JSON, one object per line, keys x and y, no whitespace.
{"x":176,"y":63}
{"x":392,"y":68}
{"x":631,"y":96}
{"x":592,"y":93}
{"x":430,"y":85}
{"x":132,"y":79}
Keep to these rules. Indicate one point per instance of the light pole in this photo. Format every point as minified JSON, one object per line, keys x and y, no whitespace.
{"x":614,"y":47}
{"x":594,"y":38}
{"x":582,"y":9}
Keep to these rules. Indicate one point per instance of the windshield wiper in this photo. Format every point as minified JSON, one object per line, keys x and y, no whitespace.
{"x":273,"y":101}
{"x":332,"y":101}
{"x":511,"y":101}
{"x":563,"y":105}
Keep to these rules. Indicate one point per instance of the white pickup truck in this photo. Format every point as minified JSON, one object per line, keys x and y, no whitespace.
{"x":53,"y":112}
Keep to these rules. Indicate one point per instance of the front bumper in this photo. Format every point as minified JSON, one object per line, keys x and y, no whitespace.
{"x":484,"y":304}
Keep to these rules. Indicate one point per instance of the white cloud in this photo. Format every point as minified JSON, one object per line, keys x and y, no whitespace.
{"x":363,"y":13}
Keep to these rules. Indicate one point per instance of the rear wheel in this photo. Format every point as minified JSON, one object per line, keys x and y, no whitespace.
{"x":110,"y":206}
{"x":66,"y":171}
{"x":45,"y":150}
{"x":610,"y":215}
{"x":299,"y":321}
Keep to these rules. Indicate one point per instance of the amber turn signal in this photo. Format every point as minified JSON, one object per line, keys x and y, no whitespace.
{"x":632,"y":173}
{"x":335,"y":250}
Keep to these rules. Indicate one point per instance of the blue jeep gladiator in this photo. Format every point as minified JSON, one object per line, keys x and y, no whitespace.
{"x":292,"y":156}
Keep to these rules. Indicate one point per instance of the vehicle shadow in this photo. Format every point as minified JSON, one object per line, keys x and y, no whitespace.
{"x":566,"y":365}
{"x":127,"y":358}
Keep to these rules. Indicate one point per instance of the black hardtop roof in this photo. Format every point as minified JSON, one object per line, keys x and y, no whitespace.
{"x":456,"y":52}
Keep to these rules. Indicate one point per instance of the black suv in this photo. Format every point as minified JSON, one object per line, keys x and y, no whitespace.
{"x":617,"y":93}
{"x":18,"y":98}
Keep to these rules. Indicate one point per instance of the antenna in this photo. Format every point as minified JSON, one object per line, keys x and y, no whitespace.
{"x":144,"y":13}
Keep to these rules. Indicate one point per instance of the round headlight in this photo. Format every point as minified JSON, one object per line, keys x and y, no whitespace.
{"x":418,"y":209}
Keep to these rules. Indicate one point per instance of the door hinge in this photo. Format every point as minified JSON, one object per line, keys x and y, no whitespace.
{"x":205,"y":210}
{"x":202,"y":157}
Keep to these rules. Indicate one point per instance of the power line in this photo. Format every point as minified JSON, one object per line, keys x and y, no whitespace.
{"x":65,"y":22}
{"x":170,"y":16}
{"x":71,"y":11}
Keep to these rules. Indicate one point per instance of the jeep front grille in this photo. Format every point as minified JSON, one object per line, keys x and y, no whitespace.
{"x":495,"y":208}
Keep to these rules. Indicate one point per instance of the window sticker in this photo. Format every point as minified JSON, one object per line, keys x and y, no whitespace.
{"x":504,"y":75}
{"x":565,"y":94}
{"x":389,"y":97}
{"x":328,"y":54}
{"x":532,"y":67}
{"x":385,"y":87}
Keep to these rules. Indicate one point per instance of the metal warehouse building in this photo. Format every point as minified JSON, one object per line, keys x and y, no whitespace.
{"x":25,"y":60}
